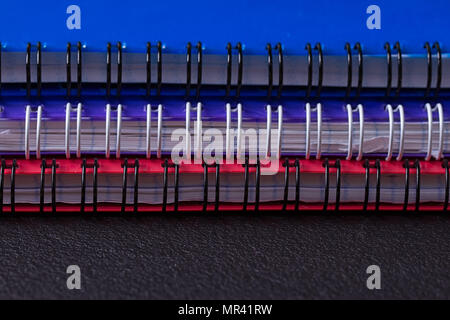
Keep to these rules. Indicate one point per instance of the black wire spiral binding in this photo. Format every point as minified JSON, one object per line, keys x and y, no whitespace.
{"x":165,"y":182}
{"x":318,"y":47}
{"x":270,"y":71}
{"x":378,"y":185}
{"x":94,"y":186}
{"x":327,"y":184}
{"x":84,"y":166}
{"x":188,"y":69}
{"x":310,"y":69}
{"x":39,"y":69}
{"x":348,"y":48}
{"x":297,"y":184}
{"x":136,"y":186}
{"x":54,"y":166}
{"x":429,"y":68}
{"x":366,"y":184}
{"x":148,"y":67}
{"x":257,"y":183}
{"x":279,"y":48}
{"x":397,"y":47}
{"x":166,"y":165}
{"x":68,"y":70}
{"x":417,"y":167}
{"x":287,"y":165}
{"x":246,"y":174}
{"x":247,"y":166}
{"x":405,"y":202}
{"x":42,"y":188}
{"x":286,"y":183}
{"x":387,"y":47}
{"x":229,"y":70}
{"x":199,"y":69}
{"x":124,"y":185}
{"x":337,"y":165}
{"x":126,"y":166}
{"x":439,"y":68}
{"x":447,"y":183}
{"x":176,"y":187}
{"x":13,"y":186}
{"x":205,"y":185}
{"x":83,"y":185}
{"x":2,"y":182}
{"x":399,"y":68}
{"x":216,"y":203}
{"x":360,"y":68}
{"x":119,"y":69}
{"x":108,"y":70}
{"x":79,"y":69}
{"x":309,"y":83}
{"x":159,"y":68}
{"x":367,"y":166}
{"x":28,"y":69}
{"x":308,"y":48}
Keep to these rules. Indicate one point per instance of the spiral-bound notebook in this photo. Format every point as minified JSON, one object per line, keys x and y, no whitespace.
{"x":132,"y":125}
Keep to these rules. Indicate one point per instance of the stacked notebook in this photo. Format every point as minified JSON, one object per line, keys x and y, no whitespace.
{"x":102,"y":126}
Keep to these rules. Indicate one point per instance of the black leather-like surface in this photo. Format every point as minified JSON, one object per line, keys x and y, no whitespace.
{"x":283,"y":256}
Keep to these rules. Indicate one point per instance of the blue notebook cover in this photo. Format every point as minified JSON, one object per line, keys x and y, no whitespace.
{"x":215,"y":23}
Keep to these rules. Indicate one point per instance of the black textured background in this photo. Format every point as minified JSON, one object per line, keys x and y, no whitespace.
{"x":236,"y":256}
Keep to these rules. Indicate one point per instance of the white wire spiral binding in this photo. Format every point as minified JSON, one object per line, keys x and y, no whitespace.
{"x":108,"y":130}
{"x":149,"y":131}
{"x":228,"y":152}
{"x":38,"y":131}
{"x":67,"y":129}
{"x":350,"y":111}
{"x":308,"y":110}
{"x":269,"y":130}
{"x":79,"y":109}
{"x":188,"y":130}
{"x":430,"y":111}
{"x":401,"y":112}
{"x":119,"y":130}
{"x":27,"y":131}
{"x":198,"y":151}
{"x":199,"y":132}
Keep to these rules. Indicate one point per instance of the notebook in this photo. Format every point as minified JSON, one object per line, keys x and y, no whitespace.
{"x":270,"y":120}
